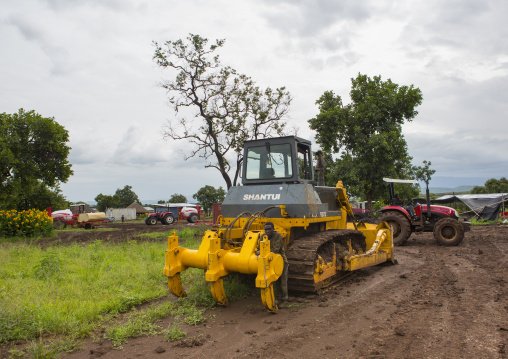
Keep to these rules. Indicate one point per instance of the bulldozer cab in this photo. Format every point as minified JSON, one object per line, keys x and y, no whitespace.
{"x":277,"y":160}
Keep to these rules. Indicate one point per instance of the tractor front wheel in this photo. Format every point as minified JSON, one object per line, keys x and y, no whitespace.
{"x":151,"y":220}
{"x":399,"y":224}
{"x":168,"y":219}
{"x":448,"y":232}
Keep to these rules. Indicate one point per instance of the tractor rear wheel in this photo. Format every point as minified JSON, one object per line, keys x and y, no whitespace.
{"x":399,"y":224}
{"x":448,"y":232}
{"x":193,"y":218}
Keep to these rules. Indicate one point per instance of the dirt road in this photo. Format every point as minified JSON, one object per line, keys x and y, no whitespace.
{"x":437,"y":302}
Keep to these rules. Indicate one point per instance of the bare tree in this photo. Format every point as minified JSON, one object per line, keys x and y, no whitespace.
{"x":226,"y":107}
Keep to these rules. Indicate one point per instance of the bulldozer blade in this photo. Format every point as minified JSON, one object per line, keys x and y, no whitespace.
{"x":218,"y":292}
{"x":268,"y":299}
{"x":175,"y":285}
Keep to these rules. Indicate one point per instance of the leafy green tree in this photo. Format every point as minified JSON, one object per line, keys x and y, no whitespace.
{"x":177,"y":198}
{"x":492,"y":186}
{"x":43,"y":197}
{"x":40,"y":197}
{"x":367,"y":134}
{"x":106,"y":201}
{"x":126,"y":196}
{"x":121,"y":199}
{"x":208,"y":195}
{"x":424,"y":173}
{"x":225,"y":108}
{"x":33,"y":160}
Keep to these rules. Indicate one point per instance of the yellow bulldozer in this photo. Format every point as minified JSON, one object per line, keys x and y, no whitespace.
{"x":278,"y":186}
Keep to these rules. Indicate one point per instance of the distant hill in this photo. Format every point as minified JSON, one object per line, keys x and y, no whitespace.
{"x":459,"y":189}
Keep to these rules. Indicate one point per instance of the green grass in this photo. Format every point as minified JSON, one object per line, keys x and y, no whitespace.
{"x":137,"y":220}
{"x":154,"y":235}
{"x":190,"y":310}
{"x":143,"y":322}
{"x":174,"y":333}
{"x":68,"y":292}
{"x":39,"y":349}
{"x":185,"y":235}
{"x":138,"y":323}
{"x":26,"y":239}
{"x":296,"y":305}
{"x":476,"y":222}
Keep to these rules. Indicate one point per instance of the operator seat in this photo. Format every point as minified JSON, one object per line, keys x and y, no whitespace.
{"x":268,"y":173}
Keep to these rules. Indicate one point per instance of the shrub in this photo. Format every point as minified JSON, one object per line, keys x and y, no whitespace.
{"x":31,"y":223}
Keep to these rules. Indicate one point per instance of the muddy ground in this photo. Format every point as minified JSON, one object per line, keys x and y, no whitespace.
{"x":437,"y":302}
{"x":120,"y":232}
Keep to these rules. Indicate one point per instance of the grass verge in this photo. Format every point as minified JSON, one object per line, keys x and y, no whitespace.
{"x":68,"y":292}
{"x":190,"y":310}
{"x":67,"y":289}
{"x":481,"y":222}
{"x":26,"y":239}
{"x":191,"y":236}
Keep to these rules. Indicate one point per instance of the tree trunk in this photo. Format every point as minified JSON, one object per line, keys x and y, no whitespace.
{"x":369,"y":202}
{"x":226,"y":178}
{"x":215,"y":149}
{"x":239,"y":161}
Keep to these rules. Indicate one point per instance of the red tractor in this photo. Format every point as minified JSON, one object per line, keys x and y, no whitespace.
{"x":442,"y":221}
{"x":168,"y":213}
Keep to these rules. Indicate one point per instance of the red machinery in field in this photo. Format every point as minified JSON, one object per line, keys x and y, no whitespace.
{"x":76,"y":216}
{"x":168,"y":213}
{"x":443,"y":221}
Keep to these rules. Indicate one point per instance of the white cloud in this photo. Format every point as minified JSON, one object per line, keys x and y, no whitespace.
{"x":89,"y":64}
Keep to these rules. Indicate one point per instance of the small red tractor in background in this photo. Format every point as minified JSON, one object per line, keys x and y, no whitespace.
{"x":442,"y":221}
{"x":167,"y":213}
{"x":360,"y":213}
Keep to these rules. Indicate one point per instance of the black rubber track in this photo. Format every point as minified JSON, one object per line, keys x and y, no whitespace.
{"x":303,"y":254}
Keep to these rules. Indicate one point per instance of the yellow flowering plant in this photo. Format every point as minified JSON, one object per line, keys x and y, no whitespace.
{"x":31,"y":223}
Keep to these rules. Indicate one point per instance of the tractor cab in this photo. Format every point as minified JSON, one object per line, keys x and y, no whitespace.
{"x":391,"y":189}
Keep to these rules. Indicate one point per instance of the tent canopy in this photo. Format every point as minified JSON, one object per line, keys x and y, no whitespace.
{"x":486,"y":206}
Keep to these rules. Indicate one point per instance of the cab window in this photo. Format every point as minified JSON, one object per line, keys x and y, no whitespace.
{"x":269,"y":162}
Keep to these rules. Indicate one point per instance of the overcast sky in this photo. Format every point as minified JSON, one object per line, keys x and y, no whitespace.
{"x":89,"y":65}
